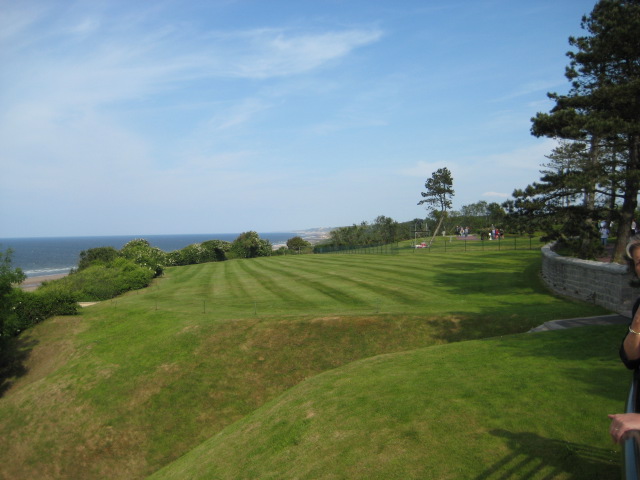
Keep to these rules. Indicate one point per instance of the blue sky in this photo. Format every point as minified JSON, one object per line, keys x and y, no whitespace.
{"x":162,"y":117}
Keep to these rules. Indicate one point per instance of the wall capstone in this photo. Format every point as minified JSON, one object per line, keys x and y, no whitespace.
{"x":604,"y":284}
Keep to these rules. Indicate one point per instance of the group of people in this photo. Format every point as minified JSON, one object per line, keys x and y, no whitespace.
{"x":462,"y":231}
{"x":493,"y":234}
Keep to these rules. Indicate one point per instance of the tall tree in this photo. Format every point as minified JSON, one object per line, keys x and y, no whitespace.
{"x":438,"y":195}
{"x":604,"y":101}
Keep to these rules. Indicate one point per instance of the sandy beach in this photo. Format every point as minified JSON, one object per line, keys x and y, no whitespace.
{"x":33,"y":283}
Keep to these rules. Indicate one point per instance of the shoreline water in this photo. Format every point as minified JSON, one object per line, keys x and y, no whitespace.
{"x":32,"y":283}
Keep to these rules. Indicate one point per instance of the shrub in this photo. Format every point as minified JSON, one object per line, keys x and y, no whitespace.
{"x":103,"y":281}
{"x":8,"y":278}
{"x":31,"y":308}
{"x":216,"y":250}
{"x":209,"y":251}
{"x":250,"y":245}
{"x":299,"y":245}
{"x":96,"y":255}
{"x":141,"y":252}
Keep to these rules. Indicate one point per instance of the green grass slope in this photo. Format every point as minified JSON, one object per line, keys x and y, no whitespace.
{"x":519,"y":407}
{"x":132,"y":384}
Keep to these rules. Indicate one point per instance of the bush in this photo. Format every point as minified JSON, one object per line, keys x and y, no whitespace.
{"x":97,"y":255}
{"x":250,"y":245}
{"x":31,"y":308}
{"x":209,"y":251}
{"x":216,"y":250}
{"x":280,"y":251}
{"x":103,"y":281}
{"x":141,"y":252}
{"x":299,"y":245}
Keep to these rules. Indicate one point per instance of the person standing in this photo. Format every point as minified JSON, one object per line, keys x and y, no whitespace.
{"x":604,"y":233}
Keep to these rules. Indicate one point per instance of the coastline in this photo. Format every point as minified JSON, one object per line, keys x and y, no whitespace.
{"x":32,"y":283}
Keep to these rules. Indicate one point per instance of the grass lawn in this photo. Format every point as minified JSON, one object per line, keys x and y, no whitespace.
{"x":132,"y":384}
{"x":518,"y":407}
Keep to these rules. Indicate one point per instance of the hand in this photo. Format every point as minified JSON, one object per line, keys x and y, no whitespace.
{"x":622,"y":423}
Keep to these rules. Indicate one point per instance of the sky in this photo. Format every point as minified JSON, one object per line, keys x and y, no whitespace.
{"x":223,"y":116}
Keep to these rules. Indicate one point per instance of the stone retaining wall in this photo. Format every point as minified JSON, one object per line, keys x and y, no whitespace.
{"x":604,"y":284}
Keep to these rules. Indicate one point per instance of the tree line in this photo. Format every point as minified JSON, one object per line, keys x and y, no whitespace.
{"x":591,"y":183}
{"x":593,"y":175}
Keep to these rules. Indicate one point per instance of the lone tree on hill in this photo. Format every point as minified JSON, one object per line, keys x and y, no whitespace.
{"x":438,"y":195}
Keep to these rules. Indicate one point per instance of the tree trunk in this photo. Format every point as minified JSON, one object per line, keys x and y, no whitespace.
{"x":630,"y":199}
{"x":435,"y":232}
{"x":590,"y":188}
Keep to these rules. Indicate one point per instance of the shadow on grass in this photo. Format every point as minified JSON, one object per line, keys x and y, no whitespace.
{"x":532,"y":456}
{"x":13,"y":353}
{"x":461,"y":280}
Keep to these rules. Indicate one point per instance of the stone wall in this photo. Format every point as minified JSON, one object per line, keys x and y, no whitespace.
{"x":604,"y":284}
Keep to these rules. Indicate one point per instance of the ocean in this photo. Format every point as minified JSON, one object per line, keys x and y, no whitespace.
{"x":57,"y":255}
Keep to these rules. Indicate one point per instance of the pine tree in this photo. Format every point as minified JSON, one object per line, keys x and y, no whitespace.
{"x":603,"y":104}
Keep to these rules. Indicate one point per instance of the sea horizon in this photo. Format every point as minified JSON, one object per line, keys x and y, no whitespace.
{"x":45,"y":256}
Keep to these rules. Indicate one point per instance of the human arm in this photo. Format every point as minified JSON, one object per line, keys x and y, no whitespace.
{"x":630,"y":348}
{"x":623,"y":423}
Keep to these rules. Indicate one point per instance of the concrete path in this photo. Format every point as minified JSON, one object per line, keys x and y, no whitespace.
{"x":613,"y":319}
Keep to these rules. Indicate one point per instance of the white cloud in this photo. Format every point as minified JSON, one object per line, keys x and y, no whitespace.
{"x":265,"y":53}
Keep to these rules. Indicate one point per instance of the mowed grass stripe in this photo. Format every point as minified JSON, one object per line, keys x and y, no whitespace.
{"x":401,"y":271}
{"x":404,"y":275}
{"x":356,"y":282}
{"x":232,"y":284}
{"x":317,"y":279}
{"x":276,"y":285}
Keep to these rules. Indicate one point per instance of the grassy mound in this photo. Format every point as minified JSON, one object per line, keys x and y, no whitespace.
{"x":526,"y":406}
{"x":132,"y":384}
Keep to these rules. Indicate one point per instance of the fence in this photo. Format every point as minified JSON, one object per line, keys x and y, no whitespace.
{"x":376,"y":249}
{"x":440,"y":244}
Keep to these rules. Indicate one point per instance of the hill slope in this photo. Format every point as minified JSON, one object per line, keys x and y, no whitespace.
{"x":527,"y":406}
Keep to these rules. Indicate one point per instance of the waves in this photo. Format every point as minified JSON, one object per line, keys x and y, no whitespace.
{"x":45,"y":272}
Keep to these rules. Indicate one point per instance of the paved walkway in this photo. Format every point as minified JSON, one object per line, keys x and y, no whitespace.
{"x":613,"y":319}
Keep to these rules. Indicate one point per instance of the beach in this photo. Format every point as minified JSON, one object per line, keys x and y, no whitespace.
{"x":32,"y":283}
